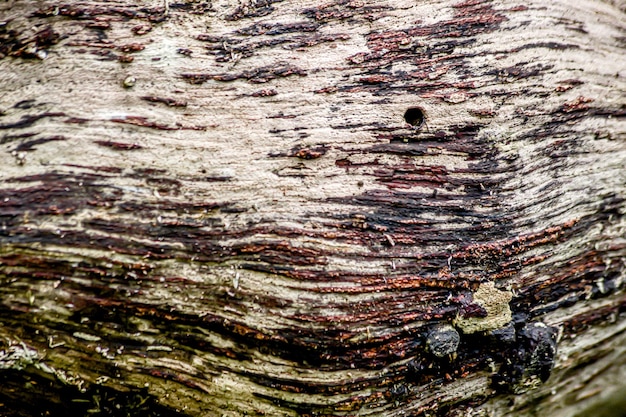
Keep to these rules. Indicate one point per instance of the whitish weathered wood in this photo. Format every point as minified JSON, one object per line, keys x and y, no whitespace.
{"x":303,"y":208}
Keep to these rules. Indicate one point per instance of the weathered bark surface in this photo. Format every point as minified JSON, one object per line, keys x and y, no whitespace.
{"x":209,"y":208}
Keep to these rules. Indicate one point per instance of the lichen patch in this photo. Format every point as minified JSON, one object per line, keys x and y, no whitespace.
{"x":495,"y":302}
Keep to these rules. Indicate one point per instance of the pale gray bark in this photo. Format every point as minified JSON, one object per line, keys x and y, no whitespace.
{"x":220,"y":209}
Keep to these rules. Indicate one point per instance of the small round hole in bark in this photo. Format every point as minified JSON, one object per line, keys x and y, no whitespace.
{"x":414,"y":116}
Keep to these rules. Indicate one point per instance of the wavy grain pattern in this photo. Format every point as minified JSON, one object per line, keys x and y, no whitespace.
{"x":289,"y":208}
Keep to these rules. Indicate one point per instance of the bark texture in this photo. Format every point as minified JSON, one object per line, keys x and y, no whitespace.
{"x":373,"y":208}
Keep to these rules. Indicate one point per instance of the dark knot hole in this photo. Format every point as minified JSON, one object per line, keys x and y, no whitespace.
{"x":414,"y":116}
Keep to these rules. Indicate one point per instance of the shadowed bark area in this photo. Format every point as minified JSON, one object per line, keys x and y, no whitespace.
{"x":312,"y":208}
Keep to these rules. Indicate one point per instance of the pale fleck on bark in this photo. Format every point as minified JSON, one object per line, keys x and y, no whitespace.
{"x":271,"y":207}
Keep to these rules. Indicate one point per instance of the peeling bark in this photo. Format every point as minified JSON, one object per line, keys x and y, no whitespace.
{"x":287,"y":208}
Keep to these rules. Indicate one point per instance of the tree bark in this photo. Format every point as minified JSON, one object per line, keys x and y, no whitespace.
{"x":301,"y":208}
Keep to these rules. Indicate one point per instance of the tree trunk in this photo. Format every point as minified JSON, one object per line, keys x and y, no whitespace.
{"x":373,"y":208}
